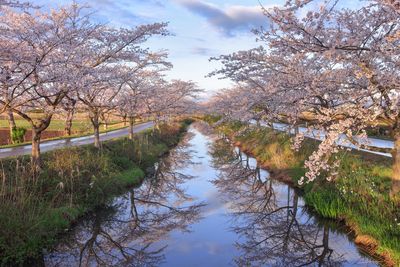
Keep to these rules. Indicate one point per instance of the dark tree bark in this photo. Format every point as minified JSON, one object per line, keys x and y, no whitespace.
{"x":94,"y":118}
{"x":68,"y":122}
{"x":131,"y":122}
{"x":37,"y":130}
{"x":11,"y":123}
{"x":70,"y":108}
{"x":35,"y":159}
{"x":125,"y":119}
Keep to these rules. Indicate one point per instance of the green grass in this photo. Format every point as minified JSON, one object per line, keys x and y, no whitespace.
{"x":78,"y":125}
{"x":210,"y":118}
{"x":73,"y":181}
{"x":359,"y":196}
{"x":130,"y":177}
{"x":55,"y":125}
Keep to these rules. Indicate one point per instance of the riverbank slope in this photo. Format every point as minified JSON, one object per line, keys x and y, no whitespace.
{"x":73,"y":181}
{"x":359,"y":196}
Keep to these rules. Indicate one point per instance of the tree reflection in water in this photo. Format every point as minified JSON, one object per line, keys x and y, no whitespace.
{"x":272,"y":231}
{"x":126,"y":232}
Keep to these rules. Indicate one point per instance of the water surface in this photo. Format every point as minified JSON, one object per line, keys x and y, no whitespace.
{"x":208,"y":204}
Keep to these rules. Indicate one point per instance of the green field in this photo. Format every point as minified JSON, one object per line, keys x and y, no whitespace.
{"x":82,"y":125}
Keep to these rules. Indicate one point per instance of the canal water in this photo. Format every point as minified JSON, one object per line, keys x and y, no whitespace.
{"x":207,"y":204}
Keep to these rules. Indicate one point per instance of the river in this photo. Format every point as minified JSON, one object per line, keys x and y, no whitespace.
{"x":207,"y":204}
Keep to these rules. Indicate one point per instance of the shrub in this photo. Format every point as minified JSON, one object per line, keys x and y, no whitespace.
{"x":18,"y":134}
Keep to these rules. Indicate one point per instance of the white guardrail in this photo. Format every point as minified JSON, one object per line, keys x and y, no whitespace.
{"x":342,"y":140}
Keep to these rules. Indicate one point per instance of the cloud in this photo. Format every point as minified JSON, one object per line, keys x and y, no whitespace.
{"x":121,"y":13}
{"x":203,"y":51}
{"x":158,"y":3}
{"x":153,"y":2}
{"x":126,"y":12}
{"x":229,"y":20}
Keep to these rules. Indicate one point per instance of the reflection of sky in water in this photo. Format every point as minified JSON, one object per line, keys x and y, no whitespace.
{"x":211,"y":241}
{"x":340,"y":243}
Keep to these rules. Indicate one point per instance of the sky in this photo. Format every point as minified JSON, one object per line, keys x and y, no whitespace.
{"x":200,"y":29}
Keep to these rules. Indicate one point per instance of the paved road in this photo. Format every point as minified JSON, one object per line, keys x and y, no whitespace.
{"x":78,"y":141}
{"x":319,"y":135}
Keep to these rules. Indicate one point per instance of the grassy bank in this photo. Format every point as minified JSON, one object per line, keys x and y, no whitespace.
{"x":359,"y":196}
{"x":33,"y":212}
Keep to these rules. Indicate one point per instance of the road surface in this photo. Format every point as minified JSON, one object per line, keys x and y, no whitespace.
{"x":342,"y":141}
{"x":78,"y":141}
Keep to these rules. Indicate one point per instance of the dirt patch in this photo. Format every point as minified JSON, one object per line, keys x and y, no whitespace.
{"x":6,"y":140}
{"x":370,"y":246}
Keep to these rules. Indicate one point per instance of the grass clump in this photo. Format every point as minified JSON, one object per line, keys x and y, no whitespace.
{"x":210,"y":118}
{"x":34,"y":211}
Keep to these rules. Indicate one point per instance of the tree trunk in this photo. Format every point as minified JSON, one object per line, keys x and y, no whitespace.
{"x":11,"y":123}
{"x":157,"y":126}
{"x":326,"y":252}
{"x":396,"y":166}
{"x":124,"y":119}
{"x":131,"y":120}
{"x":37,"y":129}
{"x":35,"y":157}
{"x":95,"y":122}
{"x":96,"y":136}
{"x":68,"y":122}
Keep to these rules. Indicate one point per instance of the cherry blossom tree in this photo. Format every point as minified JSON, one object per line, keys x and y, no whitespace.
{"x":132,"y":100}
{"x":240,"y":103}
{"x":15,"y":59}
{"x":97,"y":95}
{"x":106,"y":82}
{"x":39,"y":65}
{"x":170,"y":98}
{"x":48,"y":58}
{"x":340,"y":65}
